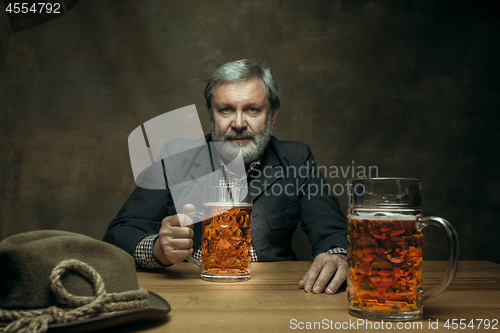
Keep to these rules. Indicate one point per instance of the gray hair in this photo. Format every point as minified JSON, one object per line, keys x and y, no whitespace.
{"x":241,"y":71}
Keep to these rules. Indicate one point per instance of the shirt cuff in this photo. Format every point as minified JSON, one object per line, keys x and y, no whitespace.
{"x":143,"y":254}
{"x":337,"y":250}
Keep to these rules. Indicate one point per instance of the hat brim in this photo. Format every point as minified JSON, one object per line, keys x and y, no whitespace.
{"x":157,"y":309}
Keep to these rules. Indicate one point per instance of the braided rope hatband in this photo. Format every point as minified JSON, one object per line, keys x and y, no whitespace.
{"x":37,"y":321}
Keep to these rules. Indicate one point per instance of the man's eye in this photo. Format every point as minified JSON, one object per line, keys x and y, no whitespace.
{"x":225,"y":110}
{"x":253,"y":110}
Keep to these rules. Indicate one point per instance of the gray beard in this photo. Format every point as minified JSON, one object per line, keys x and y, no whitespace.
{"x":252,"y":151}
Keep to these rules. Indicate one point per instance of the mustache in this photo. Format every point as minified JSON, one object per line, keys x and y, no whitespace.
{"x":245,"y":134}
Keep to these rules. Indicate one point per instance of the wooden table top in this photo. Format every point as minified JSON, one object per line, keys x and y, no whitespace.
{"x":272,"y":302}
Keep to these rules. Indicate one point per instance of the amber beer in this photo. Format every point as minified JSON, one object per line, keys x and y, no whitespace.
{"x":385,"y":249}
{"x":385,"y":259}
{"x":226,"y":242}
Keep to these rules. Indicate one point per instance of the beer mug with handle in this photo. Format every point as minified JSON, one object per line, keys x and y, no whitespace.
{"x":226,"y":233}
{"x":385,"y":249}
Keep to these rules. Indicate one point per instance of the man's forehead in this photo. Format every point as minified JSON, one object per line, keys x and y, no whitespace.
{"x":251,"y":91}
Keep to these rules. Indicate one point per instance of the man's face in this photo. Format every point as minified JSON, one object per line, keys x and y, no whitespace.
{"x":242,"y":117}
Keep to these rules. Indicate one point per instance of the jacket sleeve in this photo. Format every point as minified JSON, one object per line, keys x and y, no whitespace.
{"x":322,"y":220}
{"x":140,"y":216}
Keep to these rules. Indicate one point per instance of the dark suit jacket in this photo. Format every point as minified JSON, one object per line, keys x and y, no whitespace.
{"x":287,"y":188}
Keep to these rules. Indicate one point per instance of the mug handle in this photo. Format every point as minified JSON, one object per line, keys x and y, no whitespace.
{"x":190,"y":258}
{"x":423,"y":222}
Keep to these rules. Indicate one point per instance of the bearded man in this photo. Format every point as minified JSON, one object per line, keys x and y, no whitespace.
{"x":243,"y":101}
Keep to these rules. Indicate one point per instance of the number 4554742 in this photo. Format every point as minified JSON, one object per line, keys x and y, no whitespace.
{"x":40,"y":7}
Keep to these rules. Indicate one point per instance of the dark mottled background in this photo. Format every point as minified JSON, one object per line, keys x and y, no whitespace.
{"x":410,"y":87}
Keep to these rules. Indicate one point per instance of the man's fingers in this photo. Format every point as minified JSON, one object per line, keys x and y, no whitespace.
{"x":319,"y":276}
{"x":172,"y":251}
{"x":181,"y":243}
{"x":172,"y":221}
{"x":302,"y":281}
{"x":338,"y":279}
{"x":176,"y":256}
{"x":175,"y":242}
{"x":184,"y":219}
{"x":179,"y":220}
{"x":324,"y":277}
{"x":171,"y":227}
{"x":311,"y":275}
{"x":188,"y":208}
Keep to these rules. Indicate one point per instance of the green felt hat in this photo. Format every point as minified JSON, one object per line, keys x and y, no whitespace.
{"x":68,"y":282}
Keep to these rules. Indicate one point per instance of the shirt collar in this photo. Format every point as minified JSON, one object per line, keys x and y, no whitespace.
{"x":233,"y":177}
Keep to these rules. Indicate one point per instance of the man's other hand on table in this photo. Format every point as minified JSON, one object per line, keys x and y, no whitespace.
{"x":319,"y":276}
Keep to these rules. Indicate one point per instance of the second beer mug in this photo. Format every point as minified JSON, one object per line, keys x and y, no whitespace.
{"x":226,"y":233}
{"x":385,"y":249}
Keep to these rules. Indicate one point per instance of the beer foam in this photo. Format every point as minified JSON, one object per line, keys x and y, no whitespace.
{"x":383,"y":216}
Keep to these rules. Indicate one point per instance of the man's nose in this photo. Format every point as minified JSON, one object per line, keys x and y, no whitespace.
{"x":239,"y":121}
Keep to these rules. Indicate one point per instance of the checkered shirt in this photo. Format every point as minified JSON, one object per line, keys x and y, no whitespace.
{"x":144,"y":253}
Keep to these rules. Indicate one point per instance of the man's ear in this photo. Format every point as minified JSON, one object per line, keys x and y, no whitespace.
{"x":275,"y":115}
